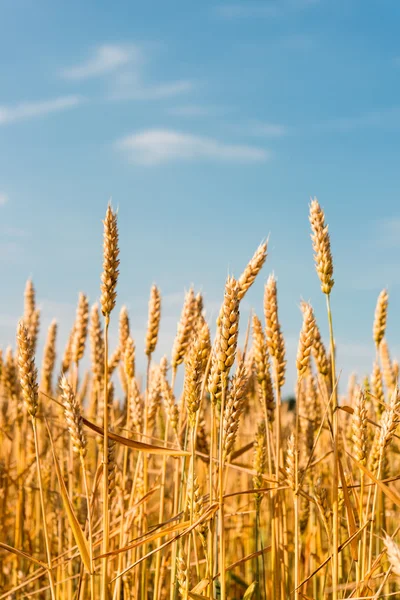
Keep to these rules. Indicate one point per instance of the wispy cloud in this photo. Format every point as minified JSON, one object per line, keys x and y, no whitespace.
{"x":130,"y":86}
{"x":273,"y":8}
{"x":157,"y":146}
{"x":104,"y":59}
{"x":122,"y":67}
{"x":29,"y":110}
{"x":3,"y":198}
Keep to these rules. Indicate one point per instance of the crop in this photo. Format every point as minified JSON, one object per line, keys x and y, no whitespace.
{"x":116,"y":484}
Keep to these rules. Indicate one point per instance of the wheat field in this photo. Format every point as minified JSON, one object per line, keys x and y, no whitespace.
{"x":116,"y":484}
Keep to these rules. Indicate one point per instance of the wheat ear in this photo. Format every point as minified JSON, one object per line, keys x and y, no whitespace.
{"x":322,"y":247}
{"x":252,"y":269}
{"x":380,"y":319}
{"x":153,"y":325}
{"x":49,"y":358}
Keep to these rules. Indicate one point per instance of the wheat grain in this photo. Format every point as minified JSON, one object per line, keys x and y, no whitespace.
{"x":153,"y":325}
{"x":27,"y":370}
{"x":73,"y":417}
{"x":251,"y":271}
{"x":129,"y":358}
{"x":81,"y":328}
{"x":274,"y":337}
{"x":96,"y":343}
{"x":184,"y":332}
{"x":359,"y":428}
{"x":234,"y":408}
{"x":305,"y":343}
{"x":49,"y":358}
{"x":124,"y":328}
{"x":109,"y":276}
{"x":260,"y":359}
{"x":260,"y":458}
{"x":380,"y":320}
{"x":322,"y":247}
{"x":193,"y":379}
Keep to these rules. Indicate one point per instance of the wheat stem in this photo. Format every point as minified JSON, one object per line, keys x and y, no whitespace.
{"x":44,"y":521}
{"x":106,"y":525}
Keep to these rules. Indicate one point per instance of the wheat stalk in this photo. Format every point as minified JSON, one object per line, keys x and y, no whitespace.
{"x":109,"y":279}
{"x":29,"y":388}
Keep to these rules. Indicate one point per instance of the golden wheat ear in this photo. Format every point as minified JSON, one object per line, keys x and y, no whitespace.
{"x":153,"y":325}
{"x":110,"y":273}
{"x":322,"y":246}
{"x":380,"y":319}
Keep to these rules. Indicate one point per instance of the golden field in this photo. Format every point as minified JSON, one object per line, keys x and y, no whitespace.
{"x":116,"y":484}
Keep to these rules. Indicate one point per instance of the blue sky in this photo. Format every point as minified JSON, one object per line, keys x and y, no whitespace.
{"x":210,"y":124}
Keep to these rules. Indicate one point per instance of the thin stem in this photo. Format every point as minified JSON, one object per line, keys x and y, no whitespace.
{"x":296,"y":498}
{"x":373,"y":509}
{"x":18,"y":516}
{"x":157,"y":578}
{"x":106,"y":524}
{"x":256,"y":544}
{"x":277,"y":526}
{"x":335,"y":483}
{"x":179,"y":494}
{"x":70,"y":534}
{"x":211,"y":494}
{"x":145,"y":476}
{"x":46,"y":535}
{"x":191,"y":471}
{"x":85,"y":483}
{"x":221,"y":494}
{"x":117,"y":590}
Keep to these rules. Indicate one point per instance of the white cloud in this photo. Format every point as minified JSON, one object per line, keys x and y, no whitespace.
{"x":129,"y":86}
{"x":157,"y":146}
{"x":27,"y":110}
{"x":122,"y":66}
{"x":104,"y":59}
{"x":3,"y":198}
